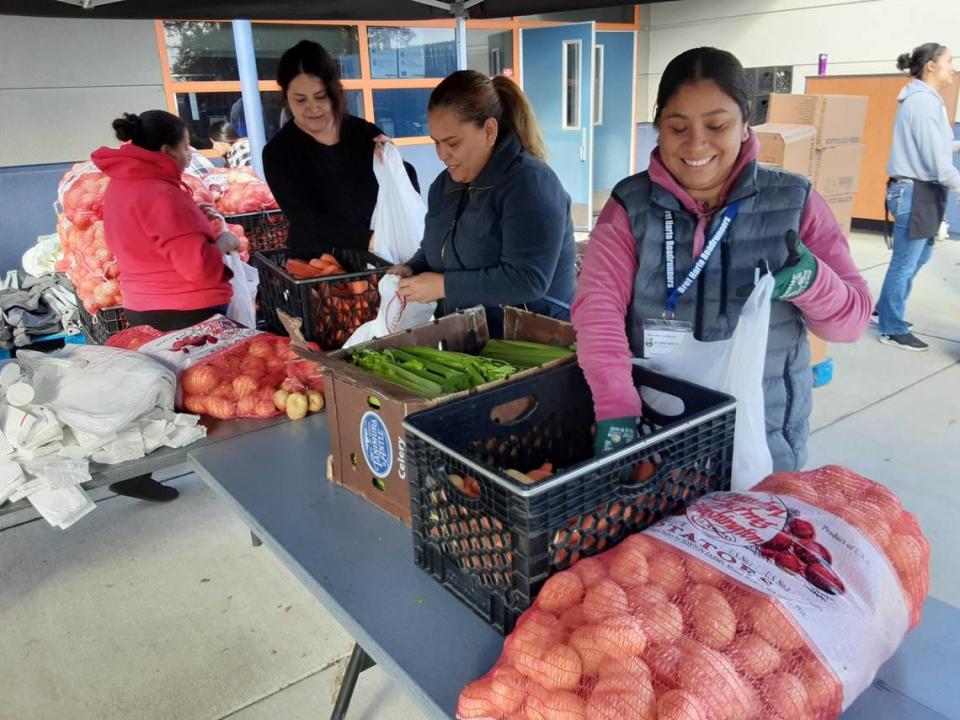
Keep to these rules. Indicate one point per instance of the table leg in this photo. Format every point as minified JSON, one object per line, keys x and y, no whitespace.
{"x":359,"y":661}
{"x":257,"y":542}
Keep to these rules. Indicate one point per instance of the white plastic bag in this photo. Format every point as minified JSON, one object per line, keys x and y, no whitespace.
{"x":243,"y":304}
{"x":395,"y":314}
{"x":398,"y":224}
{"x":735,"y":367}
{"x":398,"y":216}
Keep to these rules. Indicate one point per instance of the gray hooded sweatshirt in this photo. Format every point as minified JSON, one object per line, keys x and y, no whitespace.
{"x":923,"y":143}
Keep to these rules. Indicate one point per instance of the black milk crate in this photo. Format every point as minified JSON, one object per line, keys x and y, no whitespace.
{"x":98,"y":328}
{"x":266,"y":230}
{"x":321,"y":302}
{"x":494,"y":551}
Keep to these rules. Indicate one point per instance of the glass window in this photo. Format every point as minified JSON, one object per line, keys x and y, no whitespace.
{"x":201,"y":110}
{"x":402,"y":113}
{"x":271,"y":41}
{"x":397,"y":52}
{"x":490,"y":51}
{"x":355,"y":103}
{"x":571,"y":85}
{"x":598,"y":85}
{"x":201,"y":51}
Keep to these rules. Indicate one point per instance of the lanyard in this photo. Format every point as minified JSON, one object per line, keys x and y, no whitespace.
{"x":673,"y":290}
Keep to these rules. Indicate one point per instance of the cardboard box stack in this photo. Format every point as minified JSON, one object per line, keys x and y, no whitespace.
{"x":820,"y":137}
{"x":829,"y":151}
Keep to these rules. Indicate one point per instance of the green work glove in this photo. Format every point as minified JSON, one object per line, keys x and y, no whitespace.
{"x":798,"y":273}
{"x":614,"y":433}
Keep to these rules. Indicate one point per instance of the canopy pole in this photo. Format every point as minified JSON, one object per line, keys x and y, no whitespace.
{"x":250,"y":90}
{"x":460,"y":33}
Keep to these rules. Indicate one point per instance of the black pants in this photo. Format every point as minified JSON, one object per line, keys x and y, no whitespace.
{"x":169,"y":320}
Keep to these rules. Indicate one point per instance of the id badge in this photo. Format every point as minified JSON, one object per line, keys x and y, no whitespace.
{"x":661,"y":337}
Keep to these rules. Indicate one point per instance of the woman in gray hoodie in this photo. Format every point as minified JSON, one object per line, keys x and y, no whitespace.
{"x":921,"y":173}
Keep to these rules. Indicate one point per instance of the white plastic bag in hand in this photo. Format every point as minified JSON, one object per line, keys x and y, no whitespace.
{"x":397,"y":220}
{"x":243,"y":304}
{"x":395,"y":314}
{"x":735,"y":367}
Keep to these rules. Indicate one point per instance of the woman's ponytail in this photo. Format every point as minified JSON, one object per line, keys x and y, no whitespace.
{"x":518,"y":116}
{"x":128,"y":127}
{"x":475,"y":97}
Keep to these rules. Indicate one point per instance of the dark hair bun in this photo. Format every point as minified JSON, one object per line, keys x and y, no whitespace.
{"x":128,"y":127}
{"x":903,"y":61}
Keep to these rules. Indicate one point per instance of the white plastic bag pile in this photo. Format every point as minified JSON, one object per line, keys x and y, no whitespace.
{"x":60,"y":410}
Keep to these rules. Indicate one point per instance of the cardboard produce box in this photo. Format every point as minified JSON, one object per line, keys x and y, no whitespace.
{"x":839,"y":119}
{"x":836,"y":170}
{"x":787,"y":146}
{"x":842,"y":207}
{"x":365,"y":412}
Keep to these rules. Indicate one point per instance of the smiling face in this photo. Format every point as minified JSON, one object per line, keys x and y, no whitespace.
{"x":939,"y":73}
{"x":463,"y":147}
{"x":310,"y":105}
{"x":701,"y":131}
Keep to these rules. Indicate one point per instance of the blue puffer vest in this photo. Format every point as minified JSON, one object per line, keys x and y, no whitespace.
{"x":772,"y":202}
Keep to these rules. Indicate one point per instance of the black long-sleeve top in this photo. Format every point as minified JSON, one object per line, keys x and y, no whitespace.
{"x":327,"y":192}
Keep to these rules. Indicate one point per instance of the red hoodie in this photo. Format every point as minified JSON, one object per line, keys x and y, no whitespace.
{"x":165,"y":247}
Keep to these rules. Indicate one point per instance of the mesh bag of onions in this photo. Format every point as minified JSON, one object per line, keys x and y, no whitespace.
{"x":780,"y":603}
{"x":224,"y":369}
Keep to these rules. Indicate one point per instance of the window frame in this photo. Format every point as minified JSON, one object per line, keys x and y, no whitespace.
{"x":366,"y":83}
{"x":565,"y":80}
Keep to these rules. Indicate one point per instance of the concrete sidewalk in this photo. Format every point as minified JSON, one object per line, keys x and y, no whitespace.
{"x":166,"y":612}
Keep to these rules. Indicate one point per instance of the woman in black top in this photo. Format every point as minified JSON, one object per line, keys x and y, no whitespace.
{"x":320,"y":164}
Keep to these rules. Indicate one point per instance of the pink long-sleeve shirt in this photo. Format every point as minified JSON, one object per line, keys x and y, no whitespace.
{"x":836,"y":306}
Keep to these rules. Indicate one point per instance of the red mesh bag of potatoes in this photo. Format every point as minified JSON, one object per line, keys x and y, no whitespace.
{"x":87,"y":259}
{"x":776,"y":604}
{"x":227,"y":371}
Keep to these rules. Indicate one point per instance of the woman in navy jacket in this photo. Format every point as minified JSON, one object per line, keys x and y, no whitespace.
{"x":498,"y":229}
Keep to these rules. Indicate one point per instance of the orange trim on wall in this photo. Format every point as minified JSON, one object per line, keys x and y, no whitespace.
{"x":165,"y":67}
{"x":366,"y":84}
{"x":420,"y":140}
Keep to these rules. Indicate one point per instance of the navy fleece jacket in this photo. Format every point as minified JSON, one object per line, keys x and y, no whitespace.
{"x":504,"y":239}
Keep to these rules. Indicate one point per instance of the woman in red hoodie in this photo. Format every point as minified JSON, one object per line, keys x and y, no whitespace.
{"x":171,"y":266}
{"x":170,"y":260}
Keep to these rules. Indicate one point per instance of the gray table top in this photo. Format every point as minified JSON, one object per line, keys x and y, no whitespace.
{"x":217,"y":431}
{"x":358,"y":562}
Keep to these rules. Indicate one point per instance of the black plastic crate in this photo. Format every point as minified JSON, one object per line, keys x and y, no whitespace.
{"x":321,"y":302}
{"x":773,"y":80}
{"x":100,"y":327}
{"x":266,"y":230}
{"x":759,"y":107}
{"x":494,"y":551}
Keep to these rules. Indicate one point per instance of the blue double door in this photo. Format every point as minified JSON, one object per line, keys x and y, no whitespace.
{"x":581,"y":84}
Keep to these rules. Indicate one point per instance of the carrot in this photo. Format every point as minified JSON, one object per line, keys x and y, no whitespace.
{"x":299,"y":269}
{"x":541,"y":473}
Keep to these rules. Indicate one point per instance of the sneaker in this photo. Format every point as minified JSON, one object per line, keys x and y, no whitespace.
{"x":145,"y":488}
{"x":908,"y":341}
{"x":875,"y":320}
